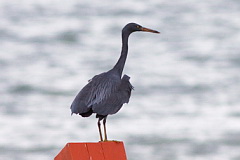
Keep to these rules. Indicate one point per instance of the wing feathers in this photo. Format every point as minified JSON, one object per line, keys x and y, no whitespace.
{"x":114,"y":102}
{"x":99,"y":88}
{"x":104,"y":94}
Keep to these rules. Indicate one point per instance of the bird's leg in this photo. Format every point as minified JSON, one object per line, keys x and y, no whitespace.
{"x":99,"y":129}
{"x":105,"y":130}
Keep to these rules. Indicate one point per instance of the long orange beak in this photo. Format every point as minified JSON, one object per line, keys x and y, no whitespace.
{"x":149,"y":30}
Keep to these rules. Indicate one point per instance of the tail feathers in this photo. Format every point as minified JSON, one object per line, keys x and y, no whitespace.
{"x":81,"y":110}
{"x":87,"y":114}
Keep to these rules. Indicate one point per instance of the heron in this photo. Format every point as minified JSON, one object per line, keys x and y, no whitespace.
{"x":106,"y":93}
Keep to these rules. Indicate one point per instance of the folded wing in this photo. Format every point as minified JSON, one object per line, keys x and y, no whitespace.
{"x":114,"y":102}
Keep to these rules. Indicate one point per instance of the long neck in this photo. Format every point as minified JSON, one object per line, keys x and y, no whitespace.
{"x":121,"y":61}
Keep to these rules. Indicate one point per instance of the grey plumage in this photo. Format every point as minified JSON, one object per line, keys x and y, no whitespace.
{"x":119,"y":95}
{"x":106,"y":93}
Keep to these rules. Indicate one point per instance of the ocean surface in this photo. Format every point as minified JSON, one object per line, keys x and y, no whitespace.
{"x":186,"y":102}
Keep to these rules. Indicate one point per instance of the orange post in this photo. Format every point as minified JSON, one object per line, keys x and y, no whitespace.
{"x":111,"y":150}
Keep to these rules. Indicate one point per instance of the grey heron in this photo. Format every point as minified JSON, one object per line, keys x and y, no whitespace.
{"x":106,"y":93}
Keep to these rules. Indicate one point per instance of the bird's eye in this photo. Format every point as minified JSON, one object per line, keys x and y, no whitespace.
{"x":138,"y":26}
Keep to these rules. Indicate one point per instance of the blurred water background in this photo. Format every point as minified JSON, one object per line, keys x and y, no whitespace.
{"x":185,"y":105}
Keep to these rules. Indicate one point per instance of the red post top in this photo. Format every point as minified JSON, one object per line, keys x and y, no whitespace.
{"x":110,"y":150}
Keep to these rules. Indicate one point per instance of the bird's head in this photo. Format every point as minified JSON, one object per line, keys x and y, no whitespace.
{"x":133,"y":27}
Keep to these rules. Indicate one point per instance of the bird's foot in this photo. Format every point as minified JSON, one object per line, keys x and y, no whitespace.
{"x":106,"y":140}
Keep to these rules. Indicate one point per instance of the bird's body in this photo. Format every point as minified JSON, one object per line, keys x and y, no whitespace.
{"x":106,"y":93}
{"x":102,"y":93}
